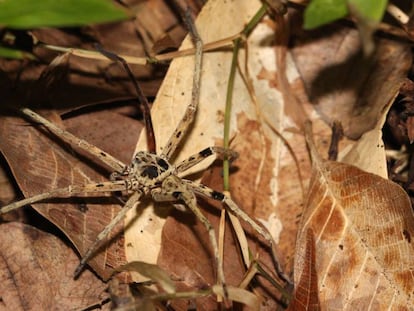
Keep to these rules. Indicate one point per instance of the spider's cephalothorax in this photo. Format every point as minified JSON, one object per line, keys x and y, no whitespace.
{"x":148,"y":169}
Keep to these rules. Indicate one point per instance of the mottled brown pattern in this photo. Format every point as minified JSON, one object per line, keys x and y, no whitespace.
{"x":35,"y":279}
{"x":306,"y":296}
{"x":363,"y":259}
{"x":40,"y":163}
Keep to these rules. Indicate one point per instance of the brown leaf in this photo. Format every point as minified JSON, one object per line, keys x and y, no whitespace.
{"x":342,"y":83}
{"x":368,"y":153}
{"x":7,"y":193}
{"x":110,"y":129}
{"x":40,"y":163}
{"x":186,"y":250}
{"x":37,"y":273}
{"x":363,"y":226}
{"x":306,"y":291}
{"x":90,"y":81}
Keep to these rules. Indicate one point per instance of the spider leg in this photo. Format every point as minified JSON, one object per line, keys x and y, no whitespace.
{"x":218,"y":196}
{"x":101,"y":236}
{"x":173,"y":189}
{"x":109,"y":186}
{"x":106,"y":158}
{"x":203,"y":154}
{"x":188,"y":118}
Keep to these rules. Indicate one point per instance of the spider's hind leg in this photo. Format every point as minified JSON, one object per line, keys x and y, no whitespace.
{"x":104,"y":233}
{"x":173,"y":189}
{"x":207,"y":192}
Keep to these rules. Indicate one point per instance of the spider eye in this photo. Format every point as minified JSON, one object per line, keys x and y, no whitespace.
{"x":150,"y":171}
{"x":163,"y":164}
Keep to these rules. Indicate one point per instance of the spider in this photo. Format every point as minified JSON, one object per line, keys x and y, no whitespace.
{"x":150,"y":174}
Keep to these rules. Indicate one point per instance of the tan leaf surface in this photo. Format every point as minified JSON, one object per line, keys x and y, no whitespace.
{"x":370,"y":143}
{"x":255,"y":183}
{"x":174,"y":97}
{"x":180,"y":246}
{"x":37,"y":273}
{"x":363,"y":226}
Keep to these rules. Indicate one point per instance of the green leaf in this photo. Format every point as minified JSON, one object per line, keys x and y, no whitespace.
{"x":57,"y":13}
{"x":321,"y":12}
{"x":370,"y":10}
{"x":12,"y":53}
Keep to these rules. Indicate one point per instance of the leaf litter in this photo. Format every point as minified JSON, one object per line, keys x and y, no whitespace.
{"x":363,"y":225}
{"x":33,"y":278}
{"x":286,"y":204}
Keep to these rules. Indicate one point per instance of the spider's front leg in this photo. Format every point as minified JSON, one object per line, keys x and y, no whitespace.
{"x":203,"y":154}
{"x":106,"y":158}
{"x":173,"y":189}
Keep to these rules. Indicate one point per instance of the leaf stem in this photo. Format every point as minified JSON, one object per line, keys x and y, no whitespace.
{"x":230,"y":88}
{"x":91,"y":54}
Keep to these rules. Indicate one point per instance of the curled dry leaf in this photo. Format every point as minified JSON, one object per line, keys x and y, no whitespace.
{"x":363,"y":226}
{"x":370,"y":143}
{"x":37,"y":273}
{"x":240,"y":295}
{"x":153,"y":272}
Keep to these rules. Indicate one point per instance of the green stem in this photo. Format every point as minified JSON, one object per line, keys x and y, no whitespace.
{"x":230,"y":87}
{"x":227,"y":113}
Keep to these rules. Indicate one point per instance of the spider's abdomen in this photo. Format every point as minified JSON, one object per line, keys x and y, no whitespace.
{"x":149,"y":169}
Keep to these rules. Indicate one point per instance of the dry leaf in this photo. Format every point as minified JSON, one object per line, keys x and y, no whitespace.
{"x":40,"y":163}
{"x":306,"y":290}
{"x":7,"y":193}
{"x":187,"y":254}
{"x":90,"y":81}
{"x":368,"y":153}
{"x":153,"y":272}
{"x":363,"y":226}
{"x":37,"y":273}
{"x":340,"y":81}
{"x":254,"y":184}
{"x":174,"y":97}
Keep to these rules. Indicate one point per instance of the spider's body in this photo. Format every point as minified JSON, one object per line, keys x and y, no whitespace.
{"x":148,"y":169}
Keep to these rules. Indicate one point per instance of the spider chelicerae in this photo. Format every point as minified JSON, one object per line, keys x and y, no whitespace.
{"x":149,"y":174}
